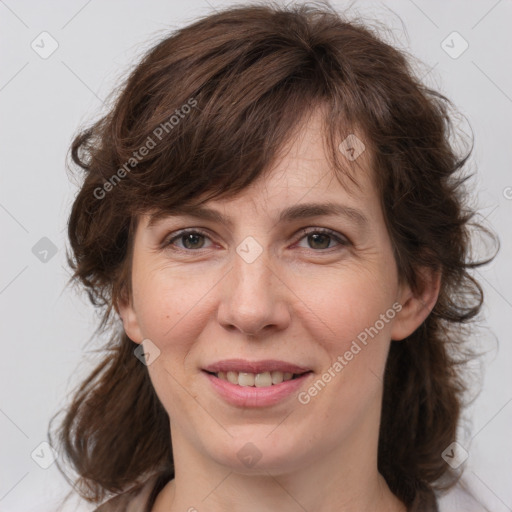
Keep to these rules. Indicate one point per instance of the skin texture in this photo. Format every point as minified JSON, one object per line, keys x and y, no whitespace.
{"x":303,"y":300}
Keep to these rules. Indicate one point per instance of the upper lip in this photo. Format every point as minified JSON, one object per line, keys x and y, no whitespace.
{"x":242,"y":365}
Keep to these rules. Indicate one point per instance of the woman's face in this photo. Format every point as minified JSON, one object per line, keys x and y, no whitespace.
{"x":319,"y":291}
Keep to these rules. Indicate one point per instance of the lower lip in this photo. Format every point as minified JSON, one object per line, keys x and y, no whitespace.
{"x":249,"y":396}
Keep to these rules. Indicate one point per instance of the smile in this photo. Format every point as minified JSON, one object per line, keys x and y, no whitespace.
{"x":258,"y":380}
{"x":256,"y":390}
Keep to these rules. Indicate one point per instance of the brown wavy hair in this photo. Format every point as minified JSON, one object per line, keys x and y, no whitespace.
{"x":249,"y":75}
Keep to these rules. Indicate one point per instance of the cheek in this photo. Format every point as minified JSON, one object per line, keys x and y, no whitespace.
{"x":170,"y":306}
{"x":341,"y":306}
{"x":349,"y":317}
{"x":173,"y":308}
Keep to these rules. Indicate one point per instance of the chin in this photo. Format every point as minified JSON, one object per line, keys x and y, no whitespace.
{"x":257,"y":453}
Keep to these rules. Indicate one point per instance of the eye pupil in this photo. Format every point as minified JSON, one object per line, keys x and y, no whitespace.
{"x":193,"y":238}
{"x":316,"y":236}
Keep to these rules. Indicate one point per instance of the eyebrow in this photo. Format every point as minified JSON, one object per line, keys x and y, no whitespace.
{"x":296,"y":212}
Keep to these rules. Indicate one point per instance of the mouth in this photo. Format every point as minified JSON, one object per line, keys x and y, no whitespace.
{"x":257,"y":389}
{"x":258,"y":380}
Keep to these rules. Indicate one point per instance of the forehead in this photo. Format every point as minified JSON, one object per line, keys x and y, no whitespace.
{"x":302,"y":170}
{"x":301,"y":175}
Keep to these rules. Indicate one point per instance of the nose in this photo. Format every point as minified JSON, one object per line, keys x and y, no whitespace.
{"x":254,"y":298}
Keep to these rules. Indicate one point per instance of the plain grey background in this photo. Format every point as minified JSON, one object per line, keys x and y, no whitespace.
{"x":44,"y":98}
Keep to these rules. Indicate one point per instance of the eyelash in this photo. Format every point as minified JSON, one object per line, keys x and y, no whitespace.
{"x":342,"y":241}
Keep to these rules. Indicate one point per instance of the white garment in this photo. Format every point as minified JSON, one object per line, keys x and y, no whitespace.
{"x":458,"y":499}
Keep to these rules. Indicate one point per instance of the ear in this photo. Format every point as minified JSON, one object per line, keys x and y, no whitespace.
{"x":124,"y":307}
{"x":416,"y":305}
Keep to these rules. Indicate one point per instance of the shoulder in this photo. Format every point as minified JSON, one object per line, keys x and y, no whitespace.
{"x":136,"y":500}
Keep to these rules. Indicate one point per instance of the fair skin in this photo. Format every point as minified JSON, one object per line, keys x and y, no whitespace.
{"x":302,"y":300}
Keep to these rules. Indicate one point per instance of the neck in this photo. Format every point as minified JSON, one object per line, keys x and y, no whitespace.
{"x":268,"y":494}
{"x":324,"y":484}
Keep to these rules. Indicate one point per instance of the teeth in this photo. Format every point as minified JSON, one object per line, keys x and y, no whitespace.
{"x":246,"y":379}
{"x":262,"y":380}
{"x":259,"y":380}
